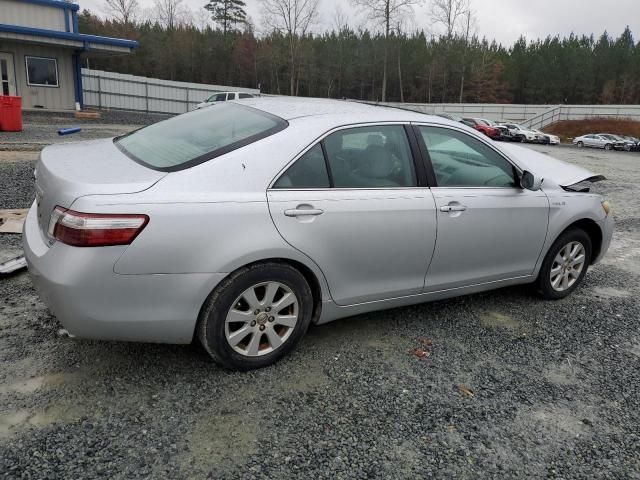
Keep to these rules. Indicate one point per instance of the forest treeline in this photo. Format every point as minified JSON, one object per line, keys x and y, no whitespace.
{"x":348,"y":63}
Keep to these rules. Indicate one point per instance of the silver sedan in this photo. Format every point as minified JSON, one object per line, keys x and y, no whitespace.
{"x":243,"y":223}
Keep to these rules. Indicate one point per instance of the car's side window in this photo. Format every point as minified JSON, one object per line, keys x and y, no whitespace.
{"x":245,"y":95}
{"x":309,"y":171}
{"x":370,"y":157}
{"x":460,"y":160}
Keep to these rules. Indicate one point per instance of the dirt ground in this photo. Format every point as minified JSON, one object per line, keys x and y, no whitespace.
{"x":513,"y":387}
{"x":567,"y":130}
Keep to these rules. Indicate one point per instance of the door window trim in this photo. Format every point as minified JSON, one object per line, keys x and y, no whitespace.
{"x":431,"y":174}
{"x":417,"y":161}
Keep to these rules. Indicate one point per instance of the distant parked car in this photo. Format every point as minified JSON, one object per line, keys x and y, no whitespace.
{"x":594,"y":141}
{"x":483,"y":126}
{"x":505,"y":133}
{"x":450,"y":116}
{"x":520,"y":134}
{"x":621,"y":143}
{"x":548,"y":139}
{"x":635,"y":141}
{"x":223,"y":97}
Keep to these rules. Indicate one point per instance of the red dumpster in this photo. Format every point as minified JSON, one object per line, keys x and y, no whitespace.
{"x":10,"y":113}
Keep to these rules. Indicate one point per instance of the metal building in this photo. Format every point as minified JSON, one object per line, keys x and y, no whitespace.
{"x":41,"y":52}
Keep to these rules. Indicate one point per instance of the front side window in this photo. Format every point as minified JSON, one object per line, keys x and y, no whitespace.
{"x":42,"y":72}
{"x":195,"y":137}
{"x":460,"y":160}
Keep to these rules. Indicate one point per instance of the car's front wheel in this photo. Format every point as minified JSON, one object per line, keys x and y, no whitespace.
{"x":608,"y":146}
{"x":256,"y":316}
{"x":565,"y":265}
{"x":580,"y":144}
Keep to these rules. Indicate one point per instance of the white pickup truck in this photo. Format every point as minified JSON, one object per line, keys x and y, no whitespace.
{"x":223,"y":97}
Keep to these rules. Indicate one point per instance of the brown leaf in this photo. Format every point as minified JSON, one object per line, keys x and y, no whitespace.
{"x":426,"y":342}
{"x":419,"y":353}
{"x":467,"y":392}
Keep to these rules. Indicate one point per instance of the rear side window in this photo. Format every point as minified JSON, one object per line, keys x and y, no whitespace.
{"x":246,"y":95}
{"x":195,"y":137}
{"x":371,"y":157}
{"x":361,"y":157}
{"x":309,"y":171}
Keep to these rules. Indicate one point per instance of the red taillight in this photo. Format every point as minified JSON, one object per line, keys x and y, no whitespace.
{"x":95,"y":229}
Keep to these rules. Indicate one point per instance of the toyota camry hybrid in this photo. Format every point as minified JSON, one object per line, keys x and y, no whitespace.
{"x":243,"y":223}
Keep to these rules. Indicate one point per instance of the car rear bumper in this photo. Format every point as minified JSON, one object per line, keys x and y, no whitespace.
{"x":91,"y":301}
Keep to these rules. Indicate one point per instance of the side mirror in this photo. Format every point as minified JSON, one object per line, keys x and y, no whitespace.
{"x":530,"y":181}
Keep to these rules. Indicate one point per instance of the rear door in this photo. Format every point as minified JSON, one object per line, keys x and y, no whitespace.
{"x":357,"y":204}
{"x":489,"y":228}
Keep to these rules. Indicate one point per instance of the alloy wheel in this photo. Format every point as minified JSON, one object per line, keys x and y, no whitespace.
{"x":262,"y":319}
{"x":567,"y":266}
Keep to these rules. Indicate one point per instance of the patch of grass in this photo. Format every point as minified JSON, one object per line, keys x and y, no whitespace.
{"x":570,"y":129}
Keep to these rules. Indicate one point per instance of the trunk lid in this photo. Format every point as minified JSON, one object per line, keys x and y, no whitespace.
{"x":68,"y":171}
{"x":563,"y":173}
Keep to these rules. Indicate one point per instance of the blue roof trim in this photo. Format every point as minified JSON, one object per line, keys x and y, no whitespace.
{"x":55,"y":3}
{"x":79,"y":37}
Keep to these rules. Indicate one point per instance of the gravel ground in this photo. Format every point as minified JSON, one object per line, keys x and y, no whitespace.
{"x":514,"y":387}
{"x":41,"y":128}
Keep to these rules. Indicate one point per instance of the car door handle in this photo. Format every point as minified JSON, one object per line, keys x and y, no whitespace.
{"x":453,"y":208}
{"x":299,"y":212}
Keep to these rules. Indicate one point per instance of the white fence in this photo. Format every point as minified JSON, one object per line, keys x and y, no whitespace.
{"x":531,"y":116}
{"x":129,"y":92}
{"x":110,"y":90}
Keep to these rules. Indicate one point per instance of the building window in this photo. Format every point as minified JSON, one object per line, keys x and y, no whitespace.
{"x":42,"y":72}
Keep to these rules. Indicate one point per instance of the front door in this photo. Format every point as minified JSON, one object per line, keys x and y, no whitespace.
{"x":489,"y":229}
{"x":352,"y":203}
{"x":7,"y":75}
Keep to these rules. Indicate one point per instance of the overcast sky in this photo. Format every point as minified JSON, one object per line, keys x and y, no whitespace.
{"x":504,"y":20}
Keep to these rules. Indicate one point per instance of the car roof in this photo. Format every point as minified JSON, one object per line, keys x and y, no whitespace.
{"x":290,"y":108}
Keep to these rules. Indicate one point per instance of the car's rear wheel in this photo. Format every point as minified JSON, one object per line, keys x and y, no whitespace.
{"x":256,"y":316}
{"x":580,"y":144}
{"x":565,"y":265}
{"x":608,"y":146}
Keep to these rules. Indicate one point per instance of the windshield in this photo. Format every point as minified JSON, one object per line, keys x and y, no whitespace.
{"x":192,"y":138}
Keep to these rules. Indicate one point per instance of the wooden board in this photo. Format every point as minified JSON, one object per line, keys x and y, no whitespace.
{"x":89,"y":115}
{"x":11,"y":221}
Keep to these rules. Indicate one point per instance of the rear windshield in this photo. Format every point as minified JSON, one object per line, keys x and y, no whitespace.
{"x":187,"y":140}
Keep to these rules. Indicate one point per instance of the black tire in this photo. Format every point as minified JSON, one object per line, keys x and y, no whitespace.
{"x":523,"y":139}
{"x":211,"y":323}
{"x":544,"y":278}
{"x":580,"y":144}
{"x":608,"y":146}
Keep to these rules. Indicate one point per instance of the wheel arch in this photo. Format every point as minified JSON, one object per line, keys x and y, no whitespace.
{"x":309,"y":275}
{"x":592,"y":229}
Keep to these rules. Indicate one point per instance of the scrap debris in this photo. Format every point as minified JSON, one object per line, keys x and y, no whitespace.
{"x":69,"y":131}
{"x":467,"y":392}
{"x":11,"y":221}
{"x":13,"y":265}
{"x":419,"y":353}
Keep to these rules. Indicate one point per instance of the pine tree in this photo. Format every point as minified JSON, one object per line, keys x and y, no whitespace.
{"x":227,"y":13}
